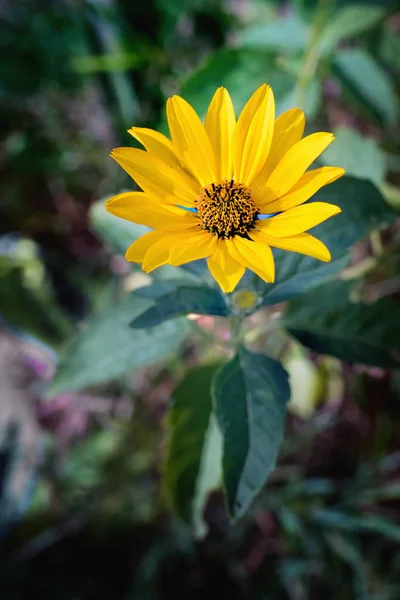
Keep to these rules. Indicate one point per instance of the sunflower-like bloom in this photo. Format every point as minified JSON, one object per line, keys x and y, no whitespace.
{"x":225,"y":190}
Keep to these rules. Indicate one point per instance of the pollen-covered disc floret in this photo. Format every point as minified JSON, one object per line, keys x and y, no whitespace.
{"x":226,"y":209}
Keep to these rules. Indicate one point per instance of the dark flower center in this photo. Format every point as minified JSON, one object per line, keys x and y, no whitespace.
{"x":227,"y":209}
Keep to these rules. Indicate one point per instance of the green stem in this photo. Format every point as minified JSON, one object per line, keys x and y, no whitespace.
{"x":266,"y":327}
{"x":236,"y":329}
{"x":312,"y":53}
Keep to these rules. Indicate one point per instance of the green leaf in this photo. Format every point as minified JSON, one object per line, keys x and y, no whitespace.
{"x":250,"y":395}
{"x":368,"y":80}
{"x":197,"y":269}
{"x":326,"y":321}
{"x":371,"y":523}
{"x":118,"y":233}
{"x":383,"y":492}
{"x":349,"y":22}
{"x":159,"y":288}
{"x":182,"y":301}
{"x":188,"y":423}
{"x":389,"y":47}
{"x":348,"y":550}
{"x":107,"y":348}
{"x":241,"y":72}
{"x":363,"y":210}
{"x":359,"y":155}
{"x":230,"y":67}
{"x":296,"y":274}
{"x":279,"y":34}
{"x":209,"y":477}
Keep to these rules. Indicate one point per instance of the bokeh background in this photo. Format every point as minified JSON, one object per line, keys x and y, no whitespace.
{"x":83,"y":514}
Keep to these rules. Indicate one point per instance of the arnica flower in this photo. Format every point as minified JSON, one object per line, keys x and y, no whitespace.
{"x":227,"y":190}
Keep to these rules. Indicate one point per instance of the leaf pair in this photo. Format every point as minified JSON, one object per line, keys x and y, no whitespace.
{"x":248,"y":396}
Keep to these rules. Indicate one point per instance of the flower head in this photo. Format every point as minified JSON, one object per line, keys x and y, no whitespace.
{"x":226,"y":190}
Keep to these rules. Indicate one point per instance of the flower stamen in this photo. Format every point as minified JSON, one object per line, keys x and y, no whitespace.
{"x":227,"y":209}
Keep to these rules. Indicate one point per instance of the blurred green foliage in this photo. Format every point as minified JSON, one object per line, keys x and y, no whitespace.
{"x":74,"y":77}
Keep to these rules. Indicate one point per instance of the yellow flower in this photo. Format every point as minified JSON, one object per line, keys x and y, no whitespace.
{"x":225,"y":190}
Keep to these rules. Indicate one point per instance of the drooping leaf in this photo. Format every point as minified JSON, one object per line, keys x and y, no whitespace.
{"x":363,"y":210}
{"x":369,"y":81}
{"x":327,"y":321}
{"x":182,"y":301}
{"x":188,"y":423}
{"x":107,"y":348}
{"x":250,"y":396}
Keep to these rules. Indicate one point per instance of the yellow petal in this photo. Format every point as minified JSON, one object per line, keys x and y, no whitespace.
{"x":191,"y":141}
{"x":288,"y":130}
{"x":120,"y":204}
{"x":178,"y":248}
{"x":299,"y":219}
{"x":220,"y":124}
{"x":251,"y":147}
{"x":191,"y":246}
{"x":307,"y":186}
{"x":296,"y":160}
{"x":226,"y":271}
{"x":155,"y":176}
{"x":243,"y":124}
{"x":303,"y":243}
{"x":136,"y":251}
{"x":142,"y":209}
{"x":253,"y":255}
{"x":156,"y":143}
{"x":158,"y":253}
